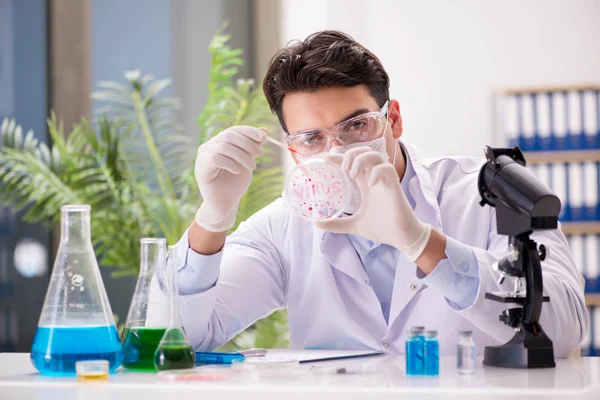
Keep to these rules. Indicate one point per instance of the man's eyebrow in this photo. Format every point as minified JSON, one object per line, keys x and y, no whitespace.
{"x":353,"y":114}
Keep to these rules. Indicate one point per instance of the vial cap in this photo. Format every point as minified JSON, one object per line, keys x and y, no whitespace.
{"x":465,"y":333}
{"x":431,"y":333}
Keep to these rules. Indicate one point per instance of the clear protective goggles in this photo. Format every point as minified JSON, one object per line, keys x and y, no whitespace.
{"x":363,"y":128}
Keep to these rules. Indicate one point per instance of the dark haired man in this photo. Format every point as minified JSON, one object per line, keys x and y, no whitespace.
{"x":418,"y":252}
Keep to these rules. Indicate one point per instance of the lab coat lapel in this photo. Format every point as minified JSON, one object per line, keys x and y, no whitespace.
{"x":406,"y":281}
{"x":339,"y":252}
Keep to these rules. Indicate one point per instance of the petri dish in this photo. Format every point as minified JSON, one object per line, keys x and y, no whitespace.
{"x":316,"y":190}
{"x":92,"y":370}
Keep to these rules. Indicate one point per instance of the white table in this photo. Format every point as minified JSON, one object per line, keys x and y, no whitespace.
{"x":384,"y":379}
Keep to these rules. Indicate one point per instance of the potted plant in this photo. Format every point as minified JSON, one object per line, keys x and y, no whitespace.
{"x":134,"y":165}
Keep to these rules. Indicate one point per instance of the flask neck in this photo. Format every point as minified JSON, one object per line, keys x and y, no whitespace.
{"x":172,"y":270}
{"x":152,"y":255}
{"x":75,"y":226}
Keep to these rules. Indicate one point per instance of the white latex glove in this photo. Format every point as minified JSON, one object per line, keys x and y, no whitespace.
{"x":384,"y":215}
{"x":223,"y":172}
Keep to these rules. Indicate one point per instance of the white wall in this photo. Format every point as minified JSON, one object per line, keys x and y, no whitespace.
{"x":444,"y":58}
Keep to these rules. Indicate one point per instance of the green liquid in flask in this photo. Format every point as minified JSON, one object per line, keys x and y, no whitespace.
{"x":139,"y":347}
{"x":174,"y":352}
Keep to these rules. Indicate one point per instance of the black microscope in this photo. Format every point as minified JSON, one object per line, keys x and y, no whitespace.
{"x":523,"y":205}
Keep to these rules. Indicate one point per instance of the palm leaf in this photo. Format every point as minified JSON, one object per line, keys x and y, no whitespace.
{"x":157,"y":151}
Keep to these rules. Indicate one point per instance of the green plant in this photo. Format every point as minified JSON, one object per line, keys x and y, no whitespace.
{"x":134,"y":166}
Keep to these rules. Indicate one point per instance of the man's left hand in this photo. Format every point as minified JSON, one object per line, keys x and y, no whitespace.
{"x":385,"y":215}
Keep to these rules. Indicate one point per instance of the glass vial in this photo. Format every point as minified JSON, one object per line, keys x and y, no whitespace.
{"x":174,"y":350}
{"x":415,"y":351}
{"x":466,"y":353}
{"x":432,"y":354}
{"x":141,"y":337}
{"x":76,"y":323}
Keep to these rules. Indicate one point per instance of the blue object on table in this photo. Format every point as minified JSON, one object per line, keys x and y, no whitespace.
{"x":415,"y":352}
{"x":432,"y":354}
{"x":211,"y":358}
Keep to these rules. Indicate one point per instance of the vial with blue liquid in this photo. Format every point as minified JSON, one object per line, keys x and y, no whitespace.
{"x":432,"y":354}
{"x":76,"y":322}
{"x":415,"y":351}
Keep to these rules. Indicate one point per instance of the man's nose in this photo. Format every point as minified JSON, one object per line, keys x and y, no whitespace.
{"x":335,"y":143}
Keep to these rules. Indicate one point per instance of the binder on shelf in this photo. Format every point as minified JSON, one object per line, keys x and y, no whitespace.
{"x":511,"y":125}
{"x":590,"y":187}
{"x":592,"y":264}
{"x":543,"y":174}
{"x":598,"y":187}
{"x":575,"y":117}
{"x":542,"y":121}
{"x":559,"y":187}
{"x":595,"y":325}
{"x":559,"y":121}
{"x":575,"y":191}
{"x":528,"y":122}
{"x":591,"y":119}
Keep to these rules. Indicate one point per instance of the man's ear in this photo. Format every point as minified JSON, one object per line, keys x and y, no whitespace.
{"x":395,"y":118}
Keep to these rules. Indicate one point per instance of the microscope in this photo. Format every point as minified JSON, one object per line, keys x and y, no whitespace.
{"x":523,"y":205}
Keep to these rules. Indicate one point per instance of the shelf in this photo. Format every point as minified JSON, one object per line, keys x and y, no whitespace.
{"x":546,"y":157}
{"x":592,"y":299}
{"x":546,"y":89}
{"x":580,"y":228}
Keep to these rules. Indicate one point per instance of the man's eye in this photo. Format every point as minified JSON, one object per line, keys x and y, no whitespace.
{"x":356,"y":125}
{"x":312,"y":140}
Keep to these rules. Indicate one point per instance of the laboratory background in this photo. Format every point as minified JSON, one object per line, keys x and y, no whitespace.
{"x":155,"y":78}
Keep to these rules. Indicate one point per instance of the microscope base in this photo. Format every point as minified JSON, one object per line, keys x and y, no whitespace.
{"x":524,"y":350}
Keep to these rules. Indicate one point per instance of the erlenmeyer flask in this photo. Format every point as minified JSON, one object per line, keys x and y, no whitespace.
{"x":174,"y":350}
{"x":76,"y":321}
{"x":142,"y":336}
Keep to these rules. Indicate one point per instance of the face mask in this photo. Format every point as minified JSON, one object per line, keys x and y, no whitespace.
{"x":377,"y":145}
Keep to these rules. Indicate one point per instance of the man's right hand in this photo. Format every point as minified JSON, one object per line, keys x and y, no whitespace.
{"x":223,"y":172}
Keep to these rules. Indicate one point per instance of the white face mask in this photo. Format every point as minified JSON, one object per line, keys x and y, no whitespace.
{"x":377,"y":145}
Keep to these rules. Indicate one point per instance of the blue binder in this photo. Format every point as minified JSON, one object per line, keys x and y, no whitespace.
{"x":558,"y":120}
{"x":512,"y":129}
{"x":591,"y":137}
{"x":542,"y":113}
{"x":592,"y":264}
{"x":528,"y":122}
{"x":575,"y":118}
{"x":598,"y":188}
{"x":590,"y":187}
{"x":575,"y":191}
{"x":558,"y":185}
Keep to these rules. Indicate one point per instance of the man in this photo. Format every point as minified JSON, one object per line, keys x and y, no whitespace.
{"x":418,"y":251}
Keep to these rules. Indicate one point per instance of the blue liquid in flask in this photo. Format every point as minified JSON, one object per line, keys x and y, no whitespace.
{"x":55,"y":350}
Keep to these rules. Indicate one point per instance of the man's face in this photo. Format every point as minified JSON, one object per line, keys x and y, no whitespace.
{"x":323,"y":109}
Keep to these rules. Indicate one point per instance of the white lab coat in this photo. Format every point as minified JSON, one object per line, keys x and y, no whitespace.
{"x":277,"y":260}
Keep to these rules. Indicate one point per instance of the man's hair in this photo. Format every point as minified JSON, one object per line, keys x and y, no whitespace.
{"x":323,"y":59}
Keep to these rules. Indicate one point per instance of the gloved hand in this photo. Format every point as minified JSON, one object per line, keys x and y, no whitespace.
{"x":384,"y":215}
{"x":223,"y":172}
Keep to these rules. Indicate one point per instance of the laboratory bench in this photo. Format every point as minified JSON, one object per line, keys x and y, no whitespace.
{"x":381,"y":377}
